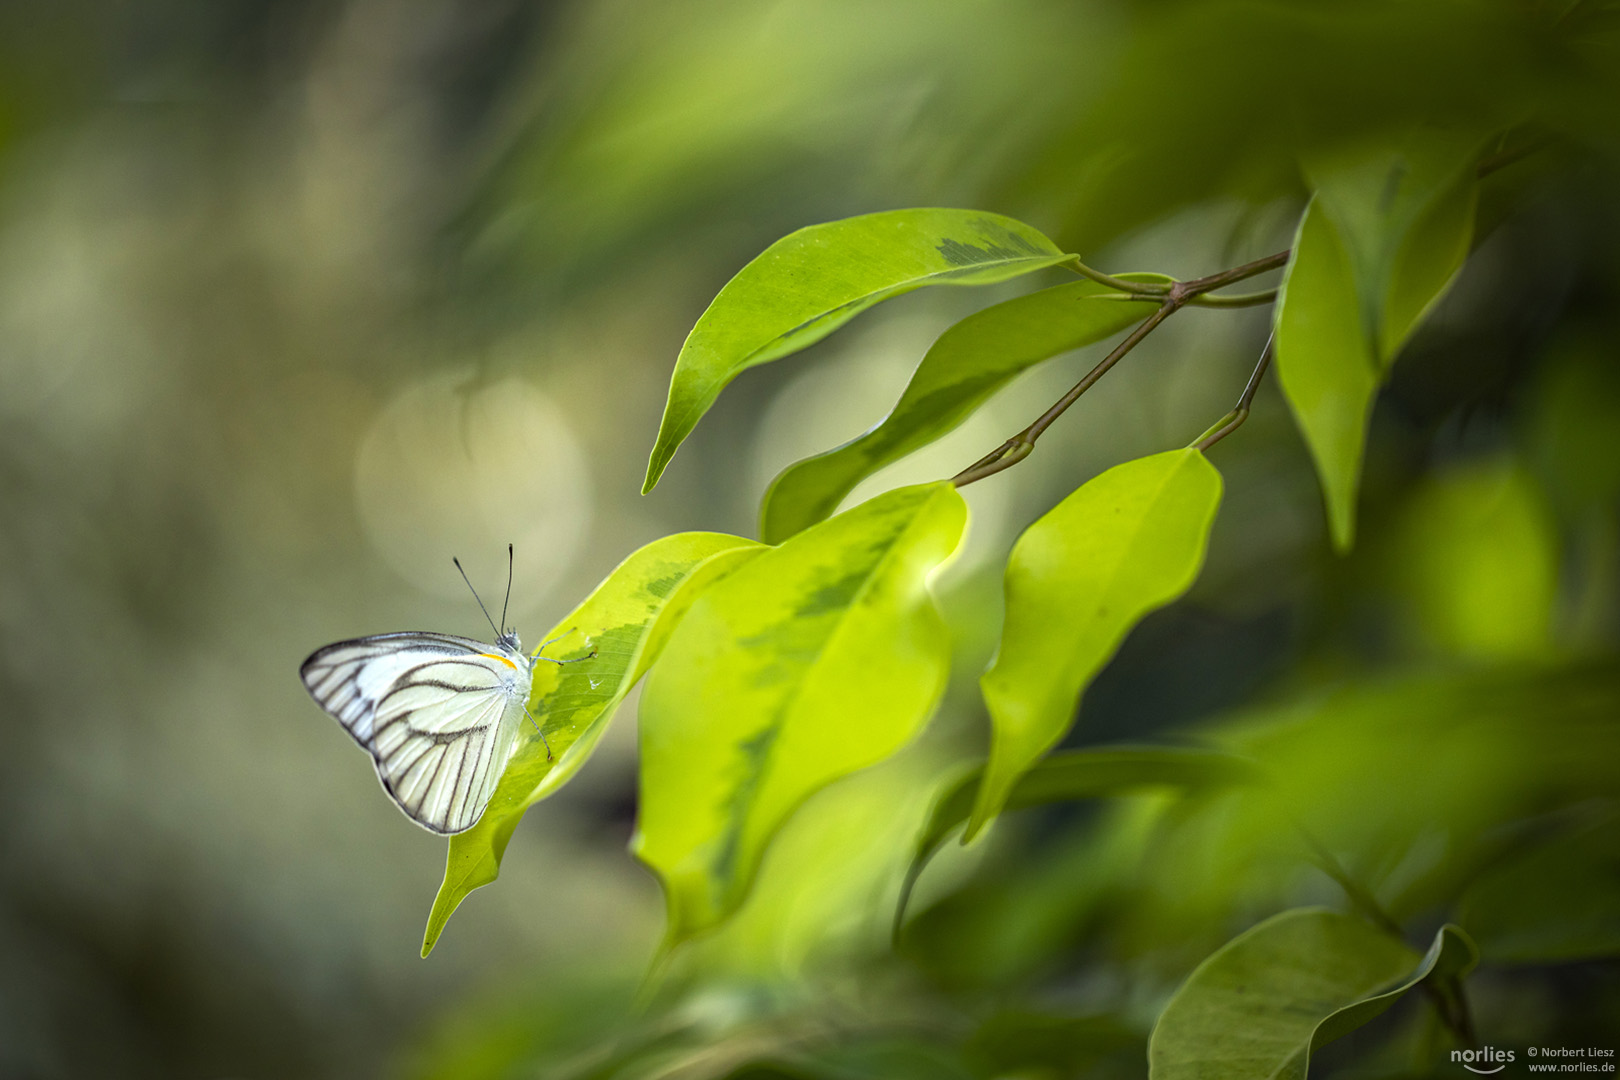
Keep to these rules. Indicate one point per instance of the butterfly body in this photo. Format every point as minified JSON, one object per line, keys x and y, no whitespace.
{"x":438,"y":713}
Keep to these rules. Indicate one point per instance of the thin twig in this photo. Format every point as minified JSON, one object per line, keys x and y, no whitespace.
{"x":1240,"y":412}
{"x":1198,"y":286}
{"x":1018,"y":447}
{"x":1176,"y":296}
{"x":1236,"y":300}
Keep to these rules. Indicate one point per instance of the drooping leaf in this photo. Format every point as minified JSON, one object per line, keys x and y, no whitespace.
{"x":1326,"y":365}
{"x":817,"y":658}
{"x":961,"y":371}
{"x":1381,"y":241}
{"x":626,"y":622}
{"x":1272,"y":996}
{"x":1072,"y":775}
{"x":809,"y":283}
{"x":1405,"y":210}
{"x":1123,"y":544}
{"x":1426,"y":264}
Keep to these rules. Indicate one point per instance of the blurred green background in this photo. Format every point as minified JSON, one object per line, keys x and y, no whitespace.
{"x":299,"y":299}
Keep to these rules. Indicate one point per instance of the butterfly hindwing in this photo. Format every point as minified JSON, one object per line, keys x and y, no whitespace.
{"x":441,"y":734}
{"x":437,"y":712}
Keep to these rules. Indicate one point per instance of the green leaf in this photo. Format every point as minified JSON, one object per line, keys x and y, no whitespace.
{"x":1405,"y":210}
{"x":1125,"y":543}
{"x":626,"y":621}
{"x":1272,"y":996}
{"x":964,"y":368}
{"x":1070,"y":776}
{"x":1426,"y":265}
{"x":817,"y":658}
{"x":811,"y":282}
{"x":1326,"y":365}
{"x":1381,"y":241}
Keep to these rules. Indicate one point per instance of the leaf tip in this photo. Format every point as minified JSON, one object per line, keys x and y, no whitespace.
{"x":655,"y":470}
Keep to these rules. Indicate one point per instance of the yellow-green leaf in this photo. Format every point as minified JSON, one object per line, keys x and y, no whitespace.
{"x":1123,"y":544}
{"x":817,"y":658}
{"x":811,"y":282}
{"x":962,"y":370}
{"x":626,"y":622}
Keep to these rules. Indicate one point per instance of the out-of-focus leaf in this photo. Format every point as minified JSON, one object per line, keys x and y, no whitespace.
{"x":1427,"y":263}
{"x":1408,"y":782}
{"x":1072,"y":775}
{"x":811,"y":282}
{"x":1272,"y":996}
{"x":1326,"y":364}
{"x":822,"y":893}
{"x":1479,"y":561}
{"x":818,"y":658}
{"x":1405,"y":211}
{"x":1576,"y":413}
{"x":626,"y":621}
{"x":962,"y":370}
{"x":1123,"y":544}
{"x":1382,"y":239}
{"x":1559,"y":903}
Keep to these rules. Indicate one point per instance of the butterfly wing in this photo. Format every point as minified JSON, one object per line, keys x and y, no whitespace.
{"x":438,"y":713}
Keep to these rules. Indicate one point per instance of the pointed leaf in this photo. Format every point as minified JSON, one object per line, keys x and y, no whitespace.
{"x":962,"y":370}
{"x":1381,"y":241}
{"x":1326,"y":364}
{"x":1270,"y":997}
{"x":626,"y":621}
{"x":1405,"y":210}
{"x":1125,"y":543}
{"x":809,"y":283}
{"x":1426,"y":265}
{"x":817,"y":658}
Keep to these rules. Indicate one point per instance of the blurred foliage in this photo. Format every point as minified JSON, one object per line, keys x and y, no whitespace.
{"x":297,"y":300}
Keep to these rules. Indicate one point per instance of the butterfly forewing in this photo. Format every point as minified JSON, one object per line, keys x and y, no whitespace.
{"x":437,"y":712}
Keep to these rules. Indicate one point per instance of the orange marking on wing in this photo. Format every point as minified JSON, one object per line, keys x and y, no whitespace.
{"x":502,"y":659}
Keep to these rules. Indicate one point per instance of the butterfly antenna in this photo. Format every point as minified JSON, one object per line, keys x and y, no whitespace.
{"x":508,"y":599}
{"x":481,"y":606}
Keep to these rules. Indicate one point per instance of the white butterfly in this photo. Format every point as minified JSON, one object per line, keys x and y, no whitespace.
{"x":438,"y":713}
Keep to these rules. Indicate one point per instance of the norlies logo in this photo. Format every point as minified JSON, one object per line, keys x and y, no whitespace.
{"x":1489,"y":1056}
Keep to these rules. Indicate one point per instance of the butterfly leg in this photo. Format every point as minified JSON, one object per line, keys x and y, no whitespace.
{"x":575,"y":660}
{"x":558,"y":638}
{"x":537,"y":731}
{"x":588,"y":656}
